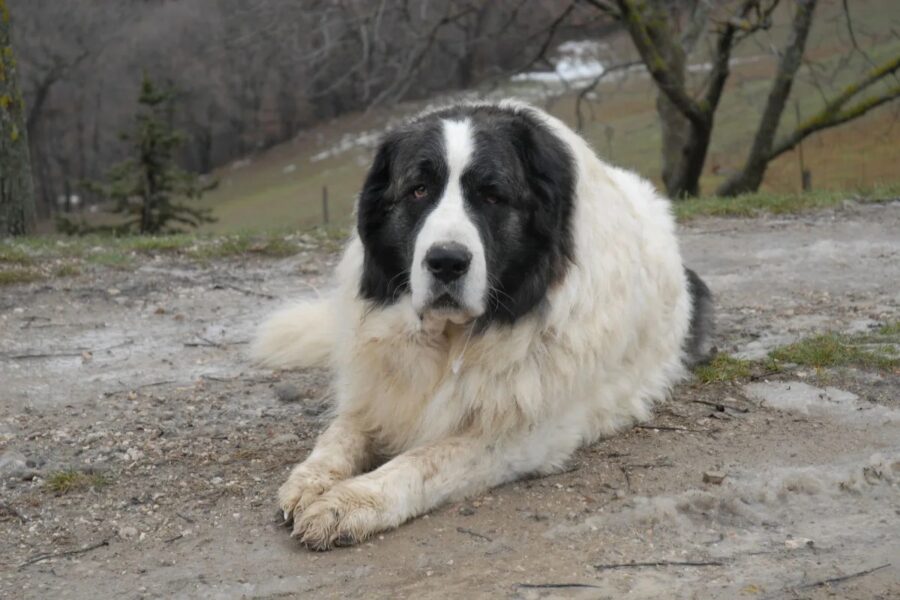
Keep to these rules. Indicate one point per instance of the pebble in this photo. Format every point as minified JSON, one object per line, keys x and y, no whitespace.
{"x":285,"y":438}
{"x":287,"y":392}
{"x":715,"y":477}
{"x":127,"y":533}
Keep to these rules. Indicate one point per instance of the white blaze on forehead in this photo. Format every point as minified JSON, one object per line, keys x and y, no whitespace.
{"x":449,"y":222}
{"x":458,"y":144}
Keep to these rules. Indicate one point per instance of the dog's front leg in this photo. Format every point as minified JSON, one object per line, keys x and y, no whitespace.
{"x":409,"y":485}
{"x":341,"y":451}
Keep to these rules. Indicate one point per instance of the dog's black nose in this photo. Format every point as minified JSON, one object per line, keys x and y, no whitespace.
{"x":449,"y":261}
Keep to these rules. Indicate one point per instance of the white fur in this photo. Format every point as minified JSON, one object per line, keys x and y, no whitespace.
{"x":449,"y":222}
{"x":522,"y":399}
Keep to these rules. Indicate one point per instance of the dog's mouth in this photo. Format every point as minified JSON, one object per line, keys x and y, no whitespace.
{"x":447,"y":307}
{"x":445,"y":303}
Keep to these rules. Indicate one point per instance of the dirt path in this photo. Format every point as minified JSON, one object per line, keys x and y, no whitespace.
{"x":139,"y":381}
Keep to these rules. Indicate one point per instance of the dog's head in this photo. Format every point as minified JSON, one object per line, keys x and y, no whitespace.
{"x":468,"y":210}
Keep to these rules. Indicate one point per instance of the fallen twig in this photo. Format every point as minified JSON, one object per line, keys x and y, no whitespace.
{"x":222,"y":286}
{"x":668,"y":428}
{"x":627,"y":477}
{"x":186,"y":518}
{"x":172,"y":539}
{"x":204,"y":342}
{"x":473,"y":533}
{"x":842,"y":577}
{"x":139,"y":387}
{"x":554,"y":586}
{"x":78,"y":352}
{"x":721,"y":406}
{"x":660,"y":563}
{"x":49,"y":555}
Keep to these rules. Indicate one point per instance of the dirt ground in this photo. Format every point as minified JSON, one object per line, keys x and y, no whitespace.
{"x":140,"y":380}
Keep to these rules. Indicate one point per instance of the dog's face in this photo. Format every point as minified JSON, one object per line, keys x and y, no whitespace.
{"x":467,"y":210}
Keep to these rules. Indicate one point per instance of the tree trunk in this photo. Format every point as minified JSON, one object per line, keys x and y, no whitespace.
{"x":675,"y":129}
{"x":16,"y":186}
{"x":749,"y":178}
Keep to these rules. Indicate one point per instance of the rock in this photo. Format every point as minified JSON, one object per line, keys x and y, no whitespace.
{"x":285,"y":438}
{"x":467,"y":510}
{"x":287,"y":392}
{"x":313,"y":408}
{"x":14,"y":465}
{"x":715,"y":477}
{"x":128,"y":532}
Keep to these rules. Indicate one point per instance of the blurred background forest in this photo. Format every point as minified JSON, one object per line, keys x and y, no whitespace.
{"x":279,"y":101}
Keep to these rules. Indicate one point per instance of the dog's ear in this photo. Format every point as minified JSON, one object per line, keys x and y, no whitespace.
{"x":549,"y":170}
{"x":374,"y":199}
{"x":381,"y":263}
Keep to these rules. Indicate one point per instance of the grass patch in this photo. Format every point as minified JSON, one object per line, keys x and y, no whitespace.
{"x":836,"y":350}
{"x":66,"y":270}
{"x":723,"y":368}
{"x":752,"y":205}
{"x":114,"y":259}
{"x":13,"y":254}
{"x":890,"y":329}
{"x":63,"y":482}
{"x":14,"y":276}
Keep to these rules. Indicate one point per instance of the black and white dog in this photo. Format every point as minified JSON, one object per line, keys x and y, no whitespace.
{"x":507,"y":298}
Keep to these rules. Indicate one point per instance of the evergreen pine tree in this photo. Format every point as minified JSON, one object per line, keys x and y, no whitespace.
{"x":147,"y":186}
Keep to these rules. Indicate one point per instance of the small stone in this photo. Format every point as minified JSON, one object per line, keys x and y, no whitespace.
{"x":795,"y":543}
{"x":285,"y":438}
{"x":467,"y":510}
{"x":216,"y":481}
{"x":715,"y":477}
{"x":13,"y":463}
{"x":127,"y":533}
{"x":287,"y":392}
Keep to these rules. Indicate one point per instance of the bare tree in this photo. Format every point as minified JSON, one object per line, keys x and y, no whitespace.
{"x":687,"y":115}
{"x":16,"y":192}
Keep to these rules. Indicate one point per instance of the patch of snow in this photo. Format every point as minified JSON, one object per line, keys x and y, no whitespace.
{"x":349,"y":141}
{"x":577,"y":60}
{"x":799,"y":397}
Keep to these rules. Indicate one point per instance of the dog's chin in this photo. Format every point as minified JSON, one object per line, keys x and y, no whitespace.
{"x":443,"y":310}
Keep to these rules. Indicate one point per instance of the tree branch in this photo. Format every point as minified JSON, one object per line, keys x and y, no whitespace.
{"x":836,"y":112}
{"x":646,"y":32}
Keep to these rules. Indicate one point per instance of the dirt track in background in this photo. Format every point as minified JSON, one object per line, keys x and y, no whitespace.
{"x":139,"y":380}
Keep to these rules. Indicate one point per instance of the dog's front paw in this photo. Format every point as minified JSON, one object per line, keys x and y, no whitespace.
{"x":304,"y":486}
{"x":343,"y":516}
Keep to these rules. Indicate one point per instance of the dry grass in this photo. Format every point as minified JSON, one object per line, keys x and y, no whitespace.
{"x":63,"y":482}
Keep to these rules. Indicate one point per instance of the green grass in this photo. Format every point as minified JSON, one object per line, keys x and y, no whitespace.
{"x":723,"y":368}
{"x":836,"y":350}
{"x":113,"y":259}
{"x":752,"y":205}
{"x":890,"y":329}
{"x":63,"y":482}
{"x":66,"y":270}
{"x":14,"y":276}
{"x":28,"y":259}
{"x":873,"y":351}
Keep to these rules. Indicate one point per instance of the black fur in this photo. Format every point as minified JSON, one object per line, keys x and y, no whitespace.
{"x":698,"y":344}
{"x":518,"y":162}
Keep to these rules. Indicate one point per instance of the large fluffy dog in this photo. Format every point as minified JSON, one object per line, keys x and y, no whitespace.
{"x":507,"y":298}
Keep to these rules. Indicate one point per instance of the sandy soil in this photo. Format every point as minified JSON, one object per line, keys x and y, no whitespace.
{"x":140,"y":378}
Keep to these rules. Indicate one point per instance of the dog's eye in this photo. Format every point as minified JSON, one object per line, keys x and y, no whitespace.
{"x":420,"y":192}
